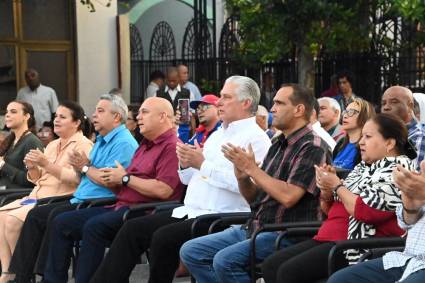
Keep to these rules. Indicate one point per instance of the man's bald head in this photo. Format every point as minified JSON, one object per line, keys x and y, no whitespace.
{"x":155,"y":117}
{"x":160,"y":105}
{"x":398,"y":101}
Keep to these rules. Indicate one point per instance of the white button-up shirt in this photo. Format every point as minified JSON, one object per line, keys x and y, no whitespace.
{"x":214,"y":188}
{"x":317,"y":128}
{"x":173,"y":92}
{"x":414,"y":252}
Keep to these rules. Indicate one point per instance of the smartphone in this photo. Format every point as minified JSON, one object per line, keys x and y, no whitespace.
{"x":183,"y":105}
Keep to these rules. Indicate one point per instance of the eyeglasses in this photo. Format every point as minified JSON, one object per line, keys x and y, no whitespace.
{"x":203,"y":107}
{"x":350,"y":112}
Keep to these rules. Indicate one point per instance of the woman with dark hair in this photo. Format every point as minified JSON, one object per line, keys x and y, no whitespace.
{"x":20,"y":120}
{"x":50,"y":171}
{"x":361,"y":206}
{"x":346,"y":153}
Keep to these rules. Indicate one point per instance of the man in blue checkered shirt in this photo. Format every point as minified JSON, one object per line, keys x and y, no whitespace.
{"x":398,"y":101}
{"x":407,"y":266}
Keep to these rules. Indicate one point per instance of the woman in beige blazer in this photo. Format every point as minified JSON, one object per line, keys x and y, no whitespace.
{"x":50,"y":172}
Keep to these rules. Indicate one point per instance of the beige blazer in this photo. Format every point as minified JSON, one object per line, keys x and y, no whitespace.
{"x":46,"y":184}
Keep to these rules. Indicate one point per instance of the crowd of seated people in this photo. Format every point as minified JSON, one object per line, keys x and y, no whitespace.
{"x":359,"y":180}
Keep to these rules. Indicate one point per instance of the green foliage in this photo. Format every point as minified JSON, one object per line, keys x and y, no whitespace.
{"x":271,"y":29}
{"x":209,"y":87}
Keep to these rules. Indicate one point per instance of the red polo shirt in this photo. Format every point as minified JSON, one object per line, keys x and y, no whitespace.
{"x":155,"y":159}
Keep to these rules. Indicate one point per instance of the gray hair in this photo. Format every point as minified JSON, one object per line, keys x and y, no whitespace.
{"x":118,"y":105}
{"x":332,"y":103}
{"x":247,"y":89}
{"x":262,"y":111}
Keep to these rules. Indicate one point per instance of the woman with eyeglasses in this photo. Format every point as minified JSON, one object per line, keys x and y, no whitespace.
{"x":346,"y":153}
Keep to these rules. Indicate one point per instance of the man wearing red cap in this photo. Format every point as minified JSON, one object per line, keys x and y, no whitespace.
{"x":207,"y":111}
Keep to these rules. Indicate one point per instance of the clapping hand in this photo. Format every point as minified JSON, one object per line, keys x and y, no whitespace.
{"x":35,"y":157}
{"x":326,"y":178}
{"x":113,"y":176}
{"x":190,"y":155}
{"x":78,"y":160}
{"x":243,"y":160}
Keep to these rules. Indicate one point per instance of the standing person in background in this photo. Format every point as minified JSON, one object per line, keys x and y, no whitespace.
{"x":173,"y":92}
{"x":19,"y":119}
{"x":346,"y":94}
{"x":184,"y":81}
{"x":156,"y":81}
{"x":42,"y":98}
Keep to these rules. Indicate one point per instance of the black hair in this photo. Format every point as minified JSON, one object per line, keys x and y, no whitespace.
{"x":392,"y":127}
{"x":157,"y":74}
{"x":302,"y":95}
{"x":346,"y":74}
{"x":77,"y":113}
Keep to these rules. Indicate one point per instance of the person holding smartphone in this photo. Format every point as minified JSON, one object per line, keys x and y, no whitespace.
{"x":179,"y":97}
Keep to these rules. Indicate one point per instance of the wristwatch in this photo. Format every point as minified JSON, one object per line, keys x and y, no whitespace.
{"x":125,"y":179}
{"x":85,"y":169}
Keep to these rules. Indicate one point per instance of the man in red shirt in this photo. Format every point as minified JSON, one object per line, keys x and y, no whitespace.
{"x":151,"y":176}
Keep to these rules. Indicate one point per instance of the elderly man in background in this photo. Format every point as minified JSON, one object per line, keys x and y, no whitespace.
{"x":329,"y":117}
{"x":317,"y":128}
{"x":262,"y":119}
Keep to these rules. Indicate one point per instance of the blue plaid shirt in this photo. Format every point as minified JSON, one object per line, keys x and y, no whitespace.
{"x":413,"y":256}
{"x":416,"y":136}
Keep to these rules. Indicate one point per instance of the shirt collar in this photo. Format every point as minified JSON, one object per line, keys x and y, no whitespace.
{"x":74,"y":138}
{"x":109,"y":136}
{"x":235,"y":125}
{"x":164,"y":136}
{"x":178,"y":88}
{"x":298,"y":134}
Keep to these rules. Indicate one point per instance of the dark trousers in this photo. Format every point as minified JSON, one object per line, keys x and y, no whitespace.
{"x":32,"y":243}
{"x":305,"y":262}
{"x":161,"y":233}
{"x":95,"y":227}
